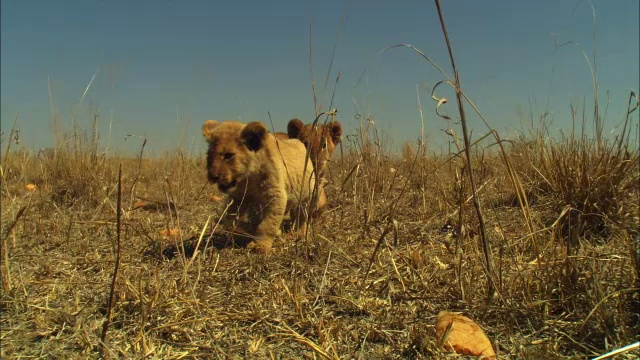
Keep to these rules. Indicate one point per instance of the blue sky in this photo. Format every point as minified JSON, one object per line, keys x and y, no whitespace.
{"x":163,"y":67}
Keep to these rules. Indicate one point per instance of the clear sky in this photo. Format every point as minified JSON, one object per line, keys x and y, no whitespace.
{"x":163,"y":67}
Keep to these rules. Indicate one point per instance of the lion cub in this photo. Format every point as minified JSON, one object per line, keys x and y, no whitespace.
{"x":321,"y":142}
{"x":262,"y":175}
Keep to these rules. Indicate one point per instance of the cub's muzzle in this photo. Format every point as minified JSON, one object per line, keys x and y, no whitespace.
{"x":226,"y":187}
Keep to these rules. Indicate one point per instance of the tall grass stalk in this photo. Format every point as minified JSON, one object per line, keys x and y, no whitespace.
{"x":467,"y":144}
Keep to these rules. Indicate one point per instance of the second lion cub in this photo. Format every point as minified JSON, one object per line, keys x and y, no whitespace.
{"x":263,"y":177}
{"x":321,"y":141}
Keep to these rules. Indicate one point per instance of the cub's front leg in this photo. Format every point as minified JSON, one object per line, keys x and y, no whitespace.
{"x":268,"y":228}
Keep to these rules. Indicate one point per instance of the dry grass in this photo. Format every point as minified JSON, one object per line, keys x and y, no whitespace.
{"x":318,"y":298}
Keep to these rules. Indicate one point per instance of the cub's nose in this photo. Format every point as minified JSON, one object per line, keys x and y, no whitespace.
{"x":213,"y":178}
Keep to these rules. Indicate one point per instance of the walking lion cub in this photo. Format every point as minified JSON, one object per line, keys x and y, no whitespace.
{"x":321,"y":141}
{"x":263,"y":177}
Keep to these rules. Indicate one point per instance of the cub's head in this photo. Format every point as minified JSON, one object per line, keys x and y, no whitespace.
{"x":231,"y":156}
{"x":321,"y":140}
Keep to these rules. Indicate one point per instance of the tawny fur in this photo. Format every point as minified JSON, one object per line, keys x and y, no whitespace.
{"x":321,"y":200}
{"x":281,"y":135}
{"x":321,"y":142}
{"x":264,"y":176}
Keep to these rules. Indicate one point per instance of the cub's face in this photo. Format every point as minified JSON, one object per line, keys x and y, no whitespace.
{"x":231,"y":156}
{"x":321,"y":141}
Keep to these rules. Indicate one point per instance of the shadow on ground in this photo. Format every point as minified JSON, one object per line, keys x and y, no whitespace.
{"x":218,"y":240}
{"x":188,"y":246}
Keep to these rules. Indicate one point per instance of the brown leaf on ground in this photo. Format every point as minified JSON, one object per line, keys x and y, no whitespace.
{"x":169,"y":232}
{"x":30,"y":187}
{"x":458,"y":333}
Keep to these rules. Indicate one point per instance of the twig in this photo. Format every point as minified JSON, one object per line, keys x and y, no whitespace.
{"x":105,"y":327}
{"x":333,"y":55}
{"x":138,"y":172}
{"x":393,"y":225}
{"x":15,"y":221}
{"x":301,"y":339}
{"x":313,"y":79}
{"x":603,"y":300}
{"x":324,"y":276}
{"x":195,"y":252}
{"x":9,"y":142}
{"x":621,"y":350}
{"x":465,"y":132}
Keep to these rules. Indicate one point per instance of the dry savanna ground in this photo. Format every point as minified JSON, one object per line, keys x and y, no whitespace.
{"x":400,"y":242}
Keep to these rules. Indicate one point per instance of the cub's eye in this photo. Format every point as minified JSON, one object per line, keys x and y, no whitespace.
{"x":228,"y":156}
{"x":324,"y":145}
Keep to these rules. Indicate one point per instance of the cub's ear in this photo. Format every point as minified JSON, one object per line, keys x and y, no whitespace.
{"x":335,"y":129}
{"x":253,"y":135}
{"x":294,"y":127}
{"x":208,"y":127}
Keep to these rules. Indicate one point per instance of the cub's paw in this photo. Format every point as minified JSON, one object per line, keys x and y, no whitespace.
{"x":261,"y":245}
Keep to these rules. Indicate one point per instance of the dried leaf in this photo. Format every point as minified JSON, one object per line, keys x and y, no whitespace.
{"x":458,"y":333}
{"x":169,"y":232}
